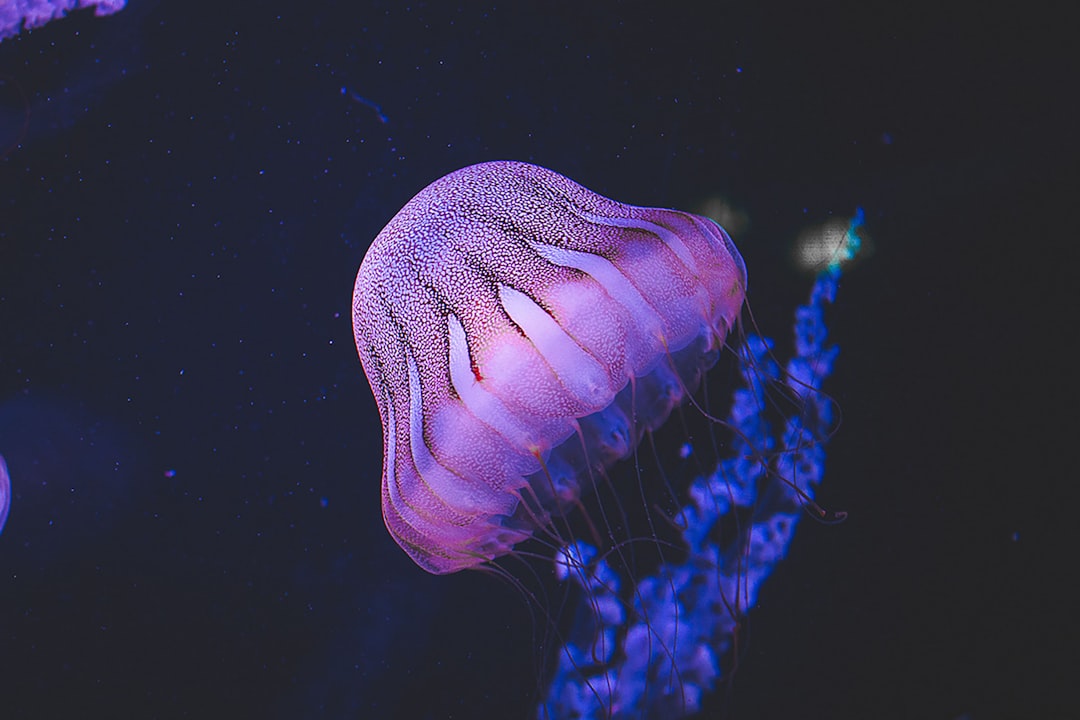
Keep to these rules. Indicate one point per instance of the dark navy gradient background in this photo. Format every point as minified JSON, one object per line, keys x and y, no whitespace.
{"x":194,"y":451}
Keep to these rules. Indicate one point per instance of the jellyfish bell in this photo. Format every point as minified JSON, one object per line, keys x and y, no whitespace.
{"x":521,"y":334}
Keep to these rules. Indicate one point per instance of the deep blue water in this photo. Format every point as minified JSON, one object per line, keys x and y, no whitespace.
{"x":185,"y":196}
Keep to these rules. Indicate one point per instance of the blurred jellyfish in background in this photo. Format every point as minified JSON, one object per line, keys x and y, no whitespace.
{"x":76,"y":65}
{"x":832,"y":243}
{"x":75,"y":480}
{"x":5,"y":493}
{"x":18,"y":15}
{"x":655,"y":649}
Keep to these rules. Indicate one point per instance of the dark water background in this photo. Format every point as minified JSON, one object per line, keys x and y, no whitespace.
{"x":194,"y":451}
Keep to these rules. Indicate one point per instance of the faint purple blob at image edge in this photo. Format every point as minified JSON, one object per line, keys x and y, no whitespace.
{"x":19,"y":15}
{"x":5,"y":493}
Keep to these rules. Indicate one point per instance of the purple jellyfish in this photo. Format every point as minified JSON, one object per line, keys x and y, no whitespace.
{"x":520,"y":334}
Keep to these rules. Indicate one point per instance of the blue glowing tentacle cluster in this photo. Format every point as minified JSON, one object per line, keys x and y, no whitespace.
{"x":661,"y":658}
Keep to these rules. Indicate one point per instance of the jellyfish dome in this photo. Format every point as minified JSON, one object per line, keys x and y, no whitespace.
{"x":520,"y":333}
